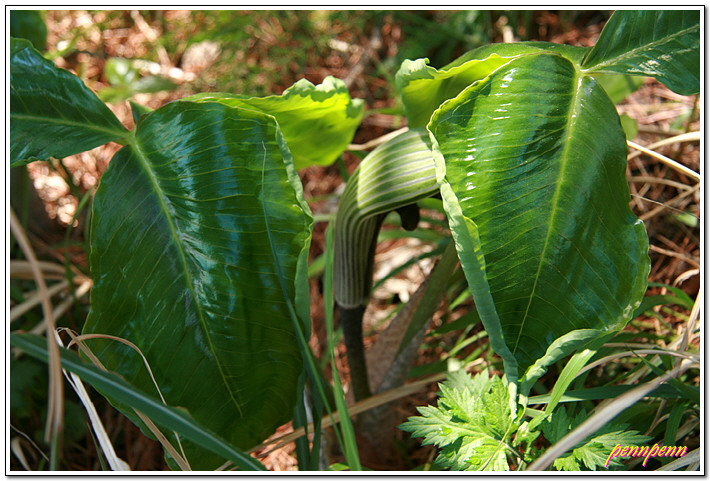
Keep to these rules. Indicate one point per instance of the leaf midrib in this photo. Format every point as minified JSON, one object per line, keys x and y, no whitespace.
{"x":572,"y":116}
{"x":134,"y":144}
{"x":72,"y":123}
{"x":633,"y":52}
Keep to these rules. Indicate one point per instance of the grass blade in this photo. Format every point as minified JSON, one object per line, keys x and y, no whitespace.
{"x":120,"y":390}
{"x":603,"y":416}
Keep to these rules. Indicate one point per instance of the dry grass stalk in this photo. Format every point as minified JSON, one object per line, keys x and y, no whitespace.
{"x":603,"y":416}
{"x":55,"y":411}
{"x":362,"y":406}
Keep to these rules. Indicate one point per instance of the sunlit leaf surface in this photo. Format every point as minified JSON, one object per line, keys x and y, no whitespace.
{"x":423,"y":88}
{"x":470,"y":425}
{"x":660,"y":44}
{"x":199,"y":239}
{"x":531,"y":163}
{"x":317,"y":121}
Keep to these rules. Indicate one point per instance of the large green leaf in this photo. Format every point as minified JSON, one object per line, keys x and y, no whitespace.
{"x":199,"y":246}
{"x":52,"y":112}
{"x":664,"y":44}
{"x":538,"y":205}
{"x":168,"y":417}
{"x":424,"y":88}
{"x":318,"y":122}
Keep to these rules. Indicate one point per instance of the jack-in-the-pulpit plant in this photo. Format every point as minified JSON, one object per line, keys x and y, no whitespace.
{"x":200,"y":231}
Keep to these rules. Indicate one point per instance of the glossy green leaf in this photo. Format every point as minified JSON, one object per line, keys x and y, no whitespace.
{"x":52,"y":112}
{"x":573,"y":53}
{"x":199,"y":241}
{"x":424,"y":88}
{"x":138,"y":110}
{"x":168,"y":417}
{"x":537,"y":202}
{"x":664,"y":44}
{"x":318,"y":122}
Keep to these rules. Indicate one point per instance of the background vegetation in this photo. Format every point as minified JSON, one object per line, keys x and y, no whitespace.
{"x":155,"y":57}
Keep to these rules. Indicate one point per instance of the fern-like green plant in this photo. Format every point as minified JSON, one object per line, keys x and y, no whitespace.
{"x":474,"y":429}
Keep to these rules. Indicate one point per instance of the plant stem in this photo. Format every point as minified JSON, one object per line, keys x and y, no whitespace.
{"x":351,"y":321}
{"x":54,"y":452}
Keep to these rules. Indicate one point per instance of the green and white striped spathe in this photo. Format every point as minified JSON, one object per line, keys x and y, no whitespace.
{"x":397,"y":173}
